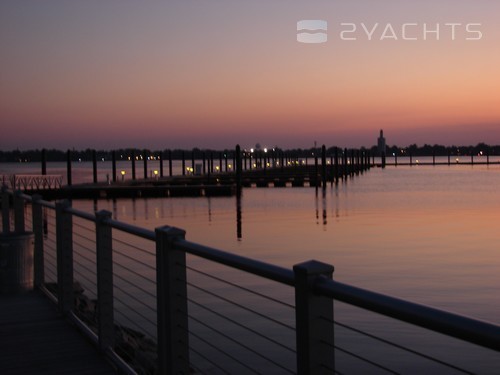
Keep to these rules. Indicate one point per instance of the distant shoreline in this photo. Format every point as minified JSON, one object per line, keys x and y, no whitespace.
{"x":178,"y":154}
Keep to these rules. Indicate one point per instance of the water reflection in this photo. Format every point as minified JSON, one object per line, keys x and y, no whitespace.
{"x":180,"y":209}
{"x":324,"y":206}
{"x":239,"y":235}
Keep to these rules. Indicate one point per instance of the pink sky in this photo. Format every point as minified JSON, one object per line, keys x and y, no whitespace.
{"x":213,"y":74}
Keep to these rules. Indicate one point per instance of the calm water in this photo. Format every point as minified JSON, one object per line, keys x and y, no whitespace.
{"x":426,"y":234}
{"x":429,"y":234}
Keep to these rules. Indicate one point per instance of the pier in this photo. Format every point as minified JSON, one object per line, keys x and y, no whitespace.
{"x":148,"y":287}
{"x":214,"y":175}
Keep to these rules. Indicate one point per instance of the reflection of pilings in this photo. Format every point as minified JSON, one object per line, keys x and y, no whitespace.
{"x":239,"y":230}
{"x":115,"y":209}
{"x":323,"y":200}
{"x":134,"y":209}
{"x":383,"y":159}
{"x":68,"y":167}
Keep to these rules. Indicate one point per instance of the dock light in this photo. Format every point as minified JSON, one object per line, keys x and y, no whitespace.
{"x":457,"y":160}
{"x":230,"y":166}
{"x":416,"y":161}
{"x":268,"y":164}
{"x":123,"y":175}
{"x":265,"y":149}
{"x":217,"y":168}
{"x":155,"y":172}
{"x":251,"y":150}
{"x":254,"y":165}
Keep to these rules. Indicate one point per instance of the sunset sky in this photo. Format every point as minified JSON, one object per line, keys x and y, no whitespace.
{"x":210,"y":74}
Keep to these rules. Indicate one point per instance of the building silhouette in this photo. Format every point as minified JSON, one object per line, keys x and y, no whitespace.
{"x":381,"y":143}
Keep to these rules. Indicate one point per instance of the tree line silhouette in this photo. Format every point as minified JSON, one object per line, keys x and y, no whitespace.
{"x":177,"y":154}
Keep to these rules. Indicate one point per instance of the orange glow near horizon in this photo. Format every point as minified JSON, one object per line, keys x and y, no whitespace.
{"x":213,"y":80}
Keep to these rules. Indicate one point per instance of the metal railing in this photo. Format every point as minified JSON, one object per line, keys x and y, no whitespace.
{"x":154,"y":287}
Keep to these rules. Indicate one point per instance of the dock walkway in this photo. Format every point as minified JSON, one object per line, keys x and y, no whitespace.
{"x":36,"y":339}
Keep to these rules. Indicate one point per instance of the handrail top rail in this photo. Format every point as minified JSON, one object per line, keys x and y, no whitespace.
{"x":483,"y":333}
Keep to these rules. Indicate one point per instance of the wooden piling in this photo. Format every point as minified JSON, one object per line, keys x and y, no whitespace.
{"x":133,"y":164}
{"x":183,"y":163}
{"x":113,"y":164}
{"x":94,"y":165}
{"x":323,"y":165}
{"x":336,"y":168}
{"x":44,"y":161}
{"x":68,"y":167}
{"x":161,"y":163}
{"x":170,"y":163}
{"x":238,"y":167}
{"x":145,"y":163}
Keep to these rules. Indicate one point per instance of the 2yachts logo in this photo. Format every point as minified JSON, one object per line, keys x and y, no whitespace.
{"x":307,"y":31}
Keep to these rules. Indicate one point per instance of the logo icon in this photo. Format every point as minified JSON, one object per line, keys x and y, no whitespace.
{"x":310,"y":31}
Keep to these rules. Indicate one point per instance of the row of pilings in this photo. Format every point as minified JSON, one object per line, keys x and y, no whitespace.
{"x":321,"y":167}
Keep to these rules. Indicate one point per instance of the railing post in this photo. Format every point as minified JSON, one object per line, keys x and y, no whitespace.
{"x":18,"y":212}
{"x":38,"y":258}
{"x":64,"y":240}
{"x":314,"y":321}
{"x":173,"y":345}
{"x":5,"y":210}
{"x":104,"y":255}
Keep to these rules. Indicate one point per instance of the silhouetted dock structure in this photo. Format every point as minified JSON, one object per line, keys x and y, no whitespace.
{"x":212,"y":175}
{"x":37,"y":339}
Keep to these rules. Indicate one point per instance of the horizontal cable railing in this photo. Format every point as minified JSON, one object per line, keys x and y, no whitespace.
{"x":188,"y":307}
